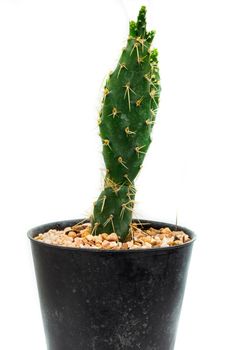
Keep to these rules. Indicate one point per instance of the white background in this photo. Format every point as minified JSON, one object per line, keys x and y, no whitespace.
{"x":54,"y":56}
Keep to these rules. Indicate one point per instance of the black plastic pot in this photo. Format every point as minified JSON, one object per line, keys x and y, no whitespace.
{"x":110,"y":300}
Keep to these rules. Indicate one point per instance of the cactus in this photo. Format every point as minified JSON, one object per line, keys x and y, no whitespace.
{"x":129,"y":106}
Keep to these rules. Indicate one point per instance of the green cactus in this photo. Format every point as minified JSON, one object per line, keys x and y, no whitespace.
{"x":129,"y":106}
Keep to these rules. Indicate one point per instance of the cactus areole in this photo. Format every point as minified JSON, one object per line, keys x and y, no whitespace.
{"x":129,"y":107}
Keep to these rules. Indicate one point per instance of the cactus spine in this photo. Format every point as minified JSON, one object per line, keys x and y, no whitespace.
{"x":129,"y":106}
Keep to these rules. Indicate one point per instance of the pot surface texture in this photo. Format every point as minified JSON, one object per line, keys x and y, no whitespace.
{"x":110,"y":300}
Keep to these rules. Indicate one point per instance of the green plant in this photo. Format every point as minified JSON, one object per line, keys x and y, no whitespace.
{"x":129,"y":106}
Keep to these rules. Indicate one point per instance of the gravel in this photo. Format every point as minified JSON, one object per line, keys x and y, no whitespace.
{"x":80,"y":236}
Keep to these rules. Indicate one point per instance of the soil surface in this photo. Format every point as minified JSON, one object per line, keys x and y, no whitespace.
{"x":80,"y":236}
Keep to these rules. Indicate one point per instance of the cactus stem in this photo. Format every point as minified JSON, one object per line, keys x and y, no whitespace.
{"x":122,"y":65}
{"x":121,"y":161}
{"x":107,"y":143}
{"x":129,"y":132}
{"x":138,"y":150}
{"x":125,"y":124}
{"x":114,"y":113}
{"x":139,"y":101}
{"x":127,"y":93}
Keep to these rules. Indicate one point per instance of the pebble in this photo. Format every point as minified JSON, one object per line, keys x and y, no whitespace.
{"x":79,"y":236}
{"x":112,"y":237}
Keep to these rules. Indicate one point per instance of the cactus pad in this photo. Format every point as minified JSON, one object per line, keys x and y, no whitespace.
{"x":129,"y":106}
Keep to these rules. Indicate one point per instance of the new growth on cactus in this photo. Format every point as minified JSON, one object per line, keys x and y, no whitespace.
{"x":129,"y":107}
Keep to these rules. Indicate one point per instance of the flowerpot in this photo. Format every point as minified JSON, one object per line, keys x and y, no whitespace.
{"x":110,"y":300}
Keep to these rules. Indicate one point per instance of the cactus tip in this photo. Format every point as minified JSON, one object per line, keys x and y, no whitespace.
{"x":141,"y":22}
{"x":133,"y":28}
{"x":142,"y":11}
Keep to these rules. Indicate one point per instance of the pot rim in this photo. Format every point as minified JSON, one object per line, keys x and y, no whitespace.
{"x":41,"y":228}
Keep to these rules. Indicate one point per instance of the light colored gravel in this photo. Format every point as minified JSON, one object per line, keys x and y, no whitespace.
{"x":79,"y":236}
